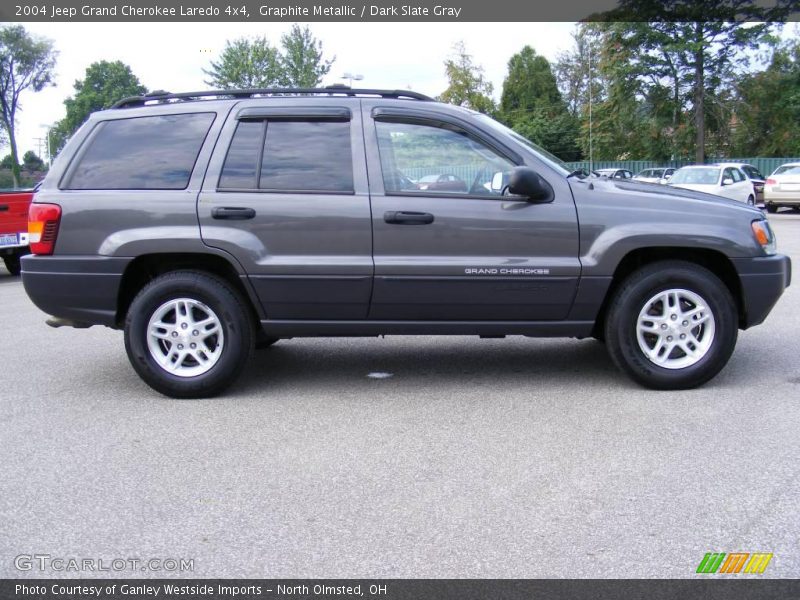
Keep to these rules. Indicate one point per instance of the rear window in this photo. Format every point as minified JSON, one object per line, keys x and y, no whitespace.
{"x":142,"y":153}
{"x":752,"y":172}
{"x":290,"y":156}
{"x":787,"y":170}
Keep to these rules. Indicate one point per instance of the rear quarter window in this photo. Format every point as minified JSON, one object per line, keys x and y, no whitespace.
{"x":141,"y":153}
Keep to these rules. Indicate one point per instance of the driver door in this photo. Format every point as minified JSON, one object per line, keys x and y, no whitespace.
{"x":458,"y":249}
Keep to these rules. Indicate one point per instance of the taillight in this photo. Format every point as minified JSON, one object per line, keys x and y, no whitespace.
{"x":771,"y":181}
{"x":43,"y":220}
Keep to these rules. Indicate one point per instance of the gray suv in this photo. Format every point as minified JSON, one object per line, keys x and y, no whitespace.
{"x":206,"y":224}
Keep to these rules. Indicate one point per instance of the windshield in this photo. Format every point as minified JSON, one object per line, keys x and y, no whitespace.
{"x":701,"y":176}
{"x":550,"y":159}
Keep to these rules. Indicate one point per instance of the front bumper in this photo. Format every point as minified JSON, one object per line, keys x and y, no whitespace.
{"x":84,"y":289}
{"x":763,"y":280}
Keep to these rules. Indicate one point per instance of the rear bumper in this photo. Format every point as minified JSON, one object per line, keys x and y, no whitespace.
{"x":763,"y":280}
{"x":782,"y":198}
{"x":83,"y":289}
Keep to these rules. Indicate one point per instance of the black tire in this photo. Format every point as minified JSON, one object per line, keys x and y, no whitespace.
{"x":751,"y":201}
{"x":13,"y":264}
{"x":771,"y":208}
{"x":632,"y":296}
{"x":229,"y":308}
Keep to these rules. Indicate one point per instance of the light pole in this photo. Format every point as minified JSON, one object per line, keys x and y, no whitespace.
{"x":49,"y":128}
{"x":351,"y":77}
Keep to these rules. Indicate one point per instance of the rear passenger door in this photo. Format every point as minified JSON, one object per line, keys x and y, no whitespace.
{"x":288,"y":197}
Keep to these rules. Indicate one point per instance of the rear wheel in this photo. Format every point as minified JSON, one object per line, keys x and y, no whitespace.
{"x":672,"y":325}
{"x":751,"y":200}
{"x":771,"y":208}
{"x":188,"y":334}
{"x":13,"y":264}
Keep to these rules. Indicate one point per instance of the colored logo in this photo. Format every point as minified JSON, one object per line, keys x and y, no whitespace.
{"x":735,"y":562}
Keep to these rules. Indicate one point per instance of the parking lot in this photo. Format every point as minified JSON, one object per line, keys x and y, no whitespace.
{"x":508,"y":458}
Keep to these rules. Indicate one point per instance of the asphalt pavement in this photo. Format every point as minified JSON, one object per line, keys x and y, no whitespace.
{"x":398,"y":457}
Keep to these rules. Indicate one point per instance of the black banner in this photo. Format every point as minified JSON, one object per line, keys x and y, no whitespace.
{"x":399,"y":589}
{"x":393,"y":10}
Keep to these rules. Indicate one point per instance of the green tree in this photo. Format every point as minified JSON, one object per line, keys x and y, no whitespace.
{"x":467,"y":85}
{"x":301,"y":60}
{"x":699,"y":46}
{"x":104,"y":84}
{"x":7,"y":162}
{"x":767,"y":117}
{"x":26,"y":63}
{"x":32,"y":162}
{"x":246,"y":64}
{"x":532,"y":105}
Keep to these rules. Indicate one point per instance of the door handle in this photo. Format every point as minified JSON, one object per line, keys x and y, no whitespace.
{"x":400,"y":217}
{"x":239,"y":213}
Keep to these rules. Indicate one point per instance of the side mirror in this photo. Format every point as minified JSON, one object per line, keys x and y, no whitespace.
{"x":526,"y":182}
{"x":497,"y":182}
{"x":727,"y":181}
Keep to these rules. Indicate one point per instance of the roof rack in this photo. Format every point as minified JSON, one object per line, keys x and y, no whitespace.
{"x":162,"y":96}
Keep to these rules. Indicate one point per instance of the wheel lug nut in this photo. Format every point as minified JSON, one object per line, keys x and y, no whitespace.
{"x":174,"y":334}
{"x":184,"y":326}
{"x":180,"y":346}
{"x":669,"y":338}
{"x":685,"y":323}
{"x":683,"y":336}
{"x":673,"y":317}
{"x":195,"y":332}
{"x":193,"y":345}
{"x":664,"y":326}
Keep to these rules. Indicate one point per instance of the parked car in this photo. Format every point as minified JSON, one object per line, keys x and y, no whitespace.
{"x":755,"y":177}
{"x":14,"y":227}
{"x":721,"y":180}
{"x":615,"y":173}
{"x":782,"y":188}
{"x":205,"y":223}
{"x":444,"y":183}
{"x":657,"y":175}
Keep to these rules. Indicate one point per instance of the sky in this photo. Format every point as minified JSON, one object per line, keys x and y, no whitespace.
{"x":172,"y":56}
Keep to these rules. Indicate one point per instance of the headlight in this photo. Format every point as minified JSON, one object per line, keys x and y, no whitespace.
{"x":764,"y":236}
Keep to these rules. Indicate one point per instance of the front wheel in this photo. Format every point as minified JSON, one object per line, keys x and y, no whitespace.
{"x":188,"y":334}
{"x":672,"y":325}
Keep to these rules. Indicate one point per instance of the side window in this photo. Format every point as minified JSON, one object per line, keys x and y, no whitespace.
{"x":752,"y":172}
{"x":738,"y":175}
{"x":423,"y":158}
{"x":142,"y":153}
{"x":290,"y":156}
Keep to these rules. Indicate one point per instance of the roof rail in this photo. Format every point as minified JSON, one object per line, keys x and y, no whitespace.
{"x":161,"y":96}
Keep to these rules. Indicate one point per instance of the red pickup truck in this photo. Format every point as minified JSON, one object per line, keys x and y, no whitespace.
{"x":14,"y":227}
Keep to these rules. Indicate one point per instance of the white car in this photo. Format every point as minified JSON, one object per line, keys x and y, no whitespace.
{"x":615,"y":173}
{"x":658,"y":175}
{"x":782,"y":188}
{"x":724,"y":179}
